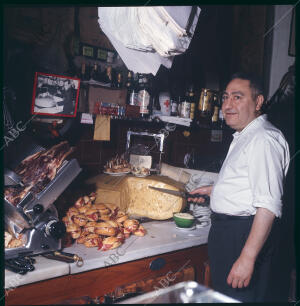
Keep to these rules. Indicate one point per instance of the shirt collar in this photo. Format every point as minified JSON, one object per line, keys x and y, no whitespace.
{"x":252,"y":125}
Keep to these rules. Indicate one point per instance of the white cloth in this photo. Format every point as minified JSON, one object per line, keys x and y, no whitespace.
{"x":146,"y":37}
{"x":253,"y":172}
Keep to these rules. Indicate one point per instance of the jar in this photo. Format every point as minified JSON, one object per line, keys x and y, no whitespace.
{"x":206,"y":101}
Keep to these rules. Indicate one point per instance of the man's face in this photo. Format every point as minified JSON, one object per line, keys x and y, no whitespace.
{"x":238,"y":106}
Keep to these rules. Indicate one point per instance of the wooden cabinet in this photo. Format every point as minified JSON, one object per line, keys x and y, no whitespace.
{"x":154,"y":272}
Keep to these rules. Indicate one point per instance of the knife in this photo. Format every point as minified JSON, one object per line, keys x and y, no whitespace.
{"x":182,"y":194}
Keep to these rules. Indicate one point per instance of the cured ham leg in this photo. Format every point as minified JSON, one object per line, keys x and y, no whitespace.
{"x":37,"y":170}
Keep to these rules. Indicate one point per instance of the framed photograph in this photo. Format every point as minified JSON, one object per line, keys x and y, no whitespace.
{"x":87,"y":51}
{"x":101,"y":54}
{"x":55,"y":95}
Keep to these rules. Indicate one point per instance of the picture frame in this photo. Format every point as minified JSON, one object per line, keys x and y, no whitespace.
{"x":101,"y":54}
{"x":88,"y":51}
{"x":55,"y":95}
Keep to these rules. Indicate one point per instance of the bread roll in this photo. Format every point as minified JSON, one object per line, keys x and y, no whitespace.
{"x":80,"y":202}
{"x":102,"y":208}
{"x":110,"y":243}
{"x":141,"y":231}
{"x":93,"y":240}
{"x":105,"y":229}
{"x":92,"y":215}
{"x":80,"y":219}
{"x":131,"y":225}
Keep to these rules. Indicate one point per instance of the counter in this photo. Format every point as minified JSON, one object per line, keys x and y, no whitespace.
{"x":162,"y":237}
{"x":136,"y":253}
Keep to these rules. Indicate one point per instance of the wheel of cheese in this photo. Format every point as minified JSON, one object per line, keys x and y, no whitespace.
{"x":135,"y":198}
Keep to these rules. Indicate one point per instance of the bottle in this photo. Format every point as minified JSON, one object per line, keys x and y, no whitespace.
{"x":109,"y":75}
{"x":191,"y":100}
{"x":221,"y":120}
{"x":215,"y":116}
{"x":132,"y":92}
{"x":95,"y":73}
{"x":83,"y":72}
{"x":119,"y":80}
{"x":128,"y":85}
{"x":185,"y":108}
{"x":179,"y":102}
{"x":144,"y":96}
{"x":174,"y":107}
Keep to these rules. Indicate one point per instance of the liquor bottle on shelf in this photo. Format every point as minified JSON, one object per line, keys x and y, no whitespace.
{"x":132,"y":92}
{"x":119,"y":80}
{"x":191,"y":100}
{"x":174,"y":106}
{"x":109,"y":75}
{"x":222,"y":123}
{"x":185,"y":108}
{"x":144,"y":97}
{"x":215,"y":122}
{"x":83,"y":73}
{"x":95,"y":73}
{"x":128,"y":85}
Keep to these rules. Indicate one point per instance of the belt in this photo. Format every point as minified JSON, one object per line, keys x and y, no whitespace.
{"x":222,"y":217}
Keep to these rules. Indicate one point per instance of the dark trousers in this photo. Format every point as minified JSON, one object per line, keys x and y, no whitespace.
{"x":227,"y":237}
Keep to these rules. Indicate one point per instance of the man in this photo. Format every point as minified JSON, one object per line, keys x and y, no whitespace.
{"x":246,"y":198}
{"x":68,"y":96}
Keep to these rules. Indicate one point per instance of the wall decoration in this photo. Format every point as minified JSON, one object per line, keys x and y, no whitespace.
{"x":55,"y":95}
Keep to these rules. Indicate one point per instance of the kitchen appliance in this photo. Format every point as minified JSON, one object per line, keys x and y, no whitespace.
{"x":35,"y":218}
{"x":157,"y":143}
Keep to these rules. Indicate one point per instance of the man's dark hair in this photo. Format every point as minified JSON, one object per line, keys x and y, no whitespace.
{"x":256,"y":84}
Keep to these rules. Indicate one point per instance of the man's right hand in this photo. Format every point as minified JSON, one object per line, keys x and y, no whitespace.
{"x":204,"y":190}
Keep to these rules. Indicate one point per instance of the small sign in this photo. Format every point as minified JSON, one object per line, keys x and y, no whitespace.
{"x":216,"y":135}
{"x":87,"y":118}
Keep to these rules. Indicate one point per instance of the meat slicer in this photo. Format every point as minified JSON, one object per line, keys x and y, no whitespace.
{"x":35,"y":217}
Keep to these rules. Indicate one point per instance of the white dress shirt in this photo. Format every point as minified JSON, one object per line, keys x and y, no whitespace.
{"x":253,"y":172}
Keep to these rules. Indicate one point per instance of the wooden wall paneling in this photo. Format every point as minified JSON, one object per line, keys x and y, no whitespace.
{"x":248,"y":38}
{"x":90,"y":31}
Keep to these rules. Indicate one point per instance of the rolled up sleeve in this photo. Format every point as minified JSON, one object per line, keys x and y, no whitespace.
{"x":268,"y":160}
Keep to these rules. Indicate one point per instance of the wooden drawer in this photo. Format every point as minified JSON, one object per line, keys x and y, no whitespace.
{"x":102,"y":281}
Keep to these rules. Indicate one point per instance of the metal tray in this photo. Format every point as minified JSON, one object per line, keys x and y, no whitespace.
{"x":185,"y":292}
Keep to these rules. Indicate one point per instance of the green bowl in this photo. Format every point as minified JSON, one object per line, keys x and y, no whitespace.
{"x":180,"y":221}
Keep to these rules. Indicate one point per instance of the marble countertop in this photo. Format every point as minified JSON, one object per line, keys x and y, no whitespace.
{"x":162,"y":237}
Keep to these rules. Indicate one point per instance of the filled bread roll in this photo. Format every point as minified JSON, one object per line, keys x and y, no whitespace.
{"x":141,"y":231}
{"x":92,"y":215}
{"x":110,"y":243}
{"x":93,"y":240}
{"x":131,"y":225}
{"x":105,"y":229}
{"x":102,"y":208}
{"x":80,"y":220}
{"x":84,"y":209}
{"x":80,"y":202}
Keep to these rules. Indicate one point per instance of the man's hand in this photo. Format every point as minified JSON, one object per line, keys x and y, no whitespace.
{"x":241,"y":272}
{"x":204,"y":190}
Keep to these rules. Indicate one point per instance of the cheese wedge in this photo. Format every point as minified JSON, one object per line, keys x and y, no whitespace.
{"x":133,"y":195}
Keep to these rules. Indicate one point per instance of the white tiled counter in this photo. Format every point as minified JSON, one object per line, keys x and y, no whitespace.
{"x":162,"y":237}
